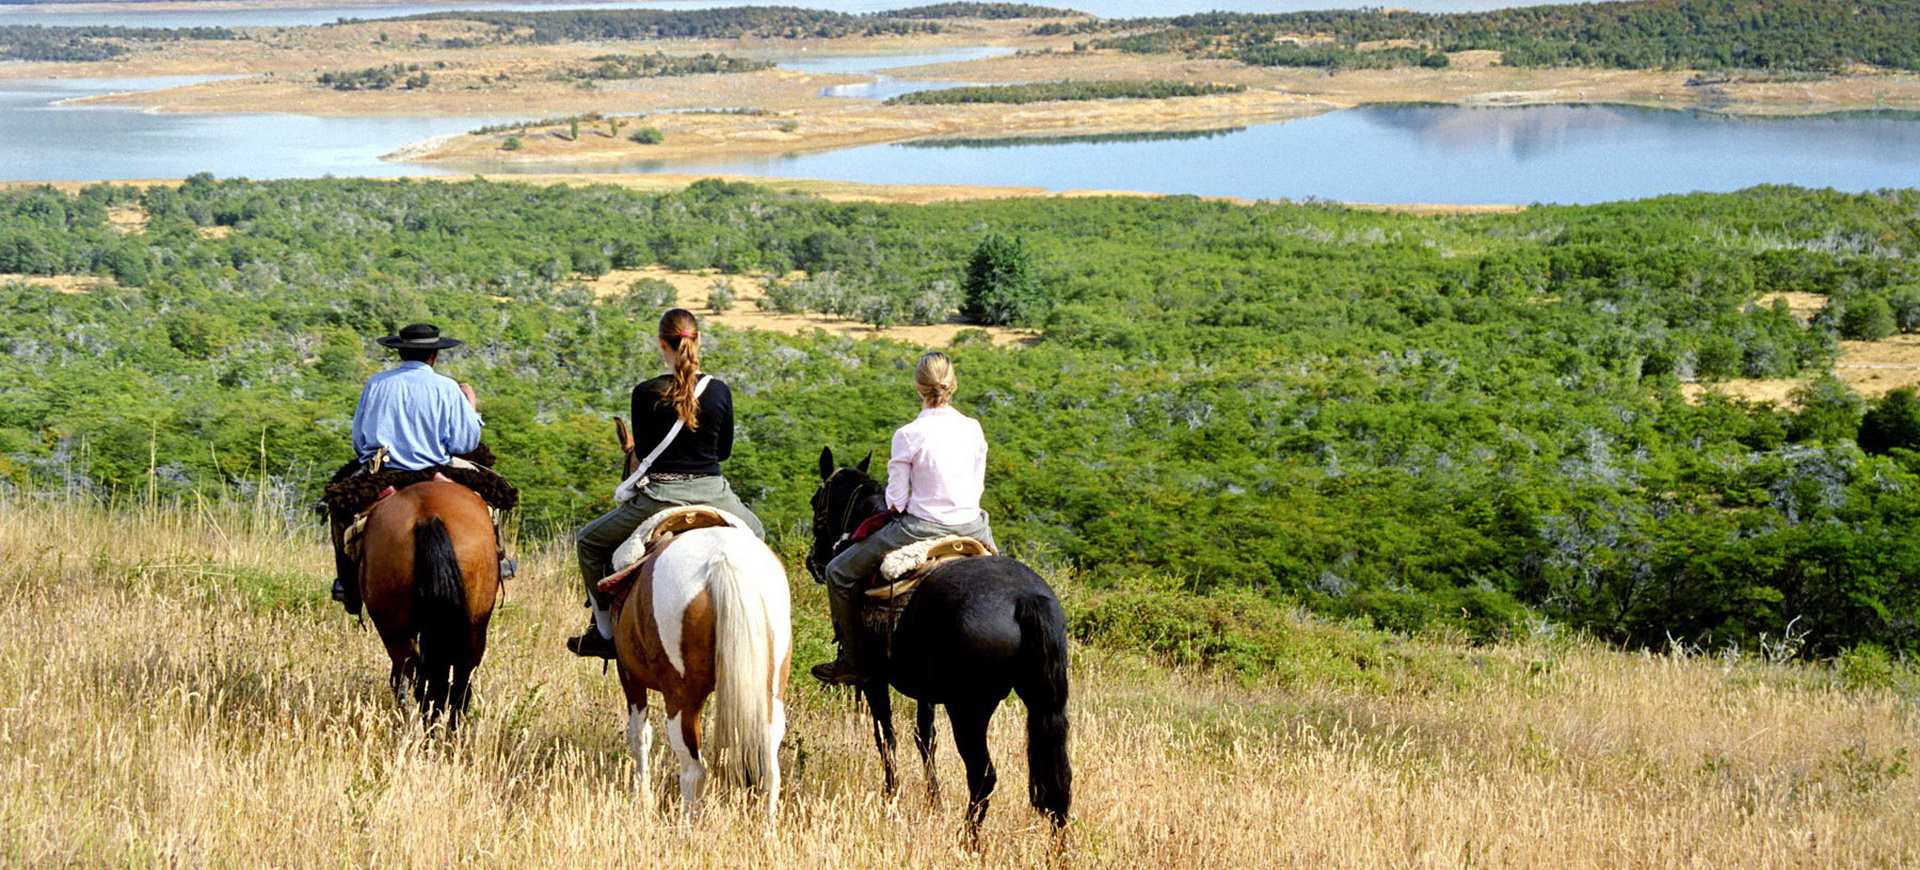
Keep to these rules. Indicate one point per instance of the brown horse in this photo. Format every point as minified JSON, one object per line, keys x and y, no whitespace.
{"x":429,"y":573}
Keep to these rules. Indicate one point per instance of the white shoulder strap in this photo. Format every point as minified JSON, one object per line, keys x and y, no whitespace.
{"x":637,"y":479}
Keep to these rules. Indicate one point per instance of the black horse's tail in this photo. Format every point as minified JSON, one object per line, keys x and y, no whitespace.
{"x":1042,"y":686}
{"x":439,"y":609}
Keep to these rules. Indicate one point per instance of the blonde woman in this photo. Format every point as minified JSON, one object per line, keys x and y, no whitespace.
{"x":935,"y":475}
{"x":686,"y":472}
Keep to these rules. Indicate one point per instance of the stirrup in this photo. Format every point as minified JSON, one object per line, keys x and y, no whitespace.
{"x":840,"y":672}
{"x":590,"y":644}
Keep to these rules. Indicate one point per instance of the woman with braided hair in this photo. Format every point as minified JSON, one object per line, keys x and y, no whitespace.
{"x":685,"y":472}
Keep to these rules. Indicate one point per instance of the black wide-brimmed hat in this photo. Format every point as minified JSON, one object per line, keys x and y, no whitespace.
{"x":418,"y":336}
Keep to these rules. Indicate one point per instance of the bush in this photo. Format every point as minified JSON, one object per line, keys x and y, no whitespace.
{"x":720,"y":296}
{"x":1892,"y":422}
{"x":512,"y":144}
{"x":648,"y":136}
{"x":1866,"y":317}
{"x":651,"y":293}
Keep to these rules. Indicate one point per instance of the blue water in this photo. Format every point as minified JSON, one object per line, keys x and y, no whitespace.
{"x":45,"y":142}
{"x":1563,"y":154}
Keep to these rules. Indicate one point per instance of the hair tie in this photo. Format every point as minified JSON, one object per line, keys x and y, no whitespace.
{"x":685,"y":334}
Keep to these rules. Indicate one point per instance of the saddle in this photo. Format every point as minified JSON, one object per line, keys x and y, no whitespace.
{"x":633,"y":556}
{"x":901,"y":572}
{"x":356,"y":486}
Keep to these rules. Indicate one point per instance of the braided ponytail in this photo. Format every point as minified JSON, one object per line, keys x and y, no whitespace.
{"x":682,"y":333}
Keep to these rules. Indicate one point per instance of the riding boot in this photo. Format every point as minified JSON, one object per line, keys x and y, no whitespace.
{"x":850,"y":667}
{"x":346,"y":575}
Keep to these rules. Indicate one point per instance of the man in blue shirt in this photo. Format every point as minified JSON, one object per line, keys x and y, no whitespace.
{"x":420,"y":418}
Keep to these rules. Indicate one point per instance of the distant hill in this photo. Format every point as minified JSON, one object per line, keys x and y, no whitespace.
{"x":1828,"y":35}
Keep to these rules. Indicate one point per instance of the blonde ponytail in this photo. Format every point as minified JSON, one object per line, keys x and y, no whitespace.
{"x":934,"y":379}
{"x":682,"y":333}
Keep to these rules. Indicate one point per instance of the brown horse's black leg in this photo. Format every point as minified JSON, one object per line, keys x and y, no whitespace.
{"x":458,"y":694}
{"x":923,"y":734}
{"x":969,"y":722}
{"x":880,"y":703}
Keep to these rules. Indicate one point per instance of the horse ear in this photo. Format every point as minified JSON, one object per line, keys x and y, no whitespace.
{"x":865,"y":462}
{"x":621,"y":436}
{"x":826,"y":462}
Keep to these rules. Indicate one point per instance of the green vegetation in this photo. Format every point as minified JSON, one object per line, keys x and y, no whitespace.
{"x":641,"y":66}
{"x":522,"y":126}
{"x":377,"y":78}
{"x":648,"y":136}
{"x":766,"y":22}
{"x":1041,"y":92}
{"x":1644,"y":34}
{"x":988,"y":11}
{"x":33,"y":42}
{"x":512,"y":143}
{"x":1465,"y":423}
{"x":1000,"y":286}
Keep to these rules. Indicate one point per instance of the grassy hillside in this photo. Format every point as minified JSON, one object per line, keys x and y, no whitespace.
{"x":175,"y":689}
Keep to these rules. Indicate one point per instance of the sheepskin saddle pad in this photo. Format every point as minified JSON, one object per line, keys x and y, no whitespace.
{"x":902,"y":569}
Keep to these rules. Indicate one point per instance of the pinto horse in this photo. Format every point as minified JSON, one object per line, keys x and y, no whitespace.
{"x":974,"y":630}
{"x":707,"y":615}
{"x":429,"y":573}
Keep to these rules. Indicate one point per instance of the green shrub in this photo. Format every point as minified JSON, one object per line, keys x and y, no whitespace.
{"x":648,"y":136}
{"x":512,"y":144}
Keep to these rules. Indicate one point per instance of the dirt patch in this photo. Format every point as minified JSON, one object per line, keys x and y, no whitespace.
{"x":1802,"y":305}
{"x":127,"y":221}
{"x":69,"y":284}
{"x":691,"y":291}
{"x":1870,"y":368}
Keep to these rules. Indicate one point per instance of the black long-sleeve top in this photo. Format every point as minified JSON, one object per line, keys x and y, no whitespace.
{"x":695,"y":450}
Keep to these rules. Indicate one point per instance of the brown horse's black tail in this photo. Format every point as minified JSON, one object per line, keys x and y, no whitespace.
{"x":439,"y":607}
{"x":1043,"y":687}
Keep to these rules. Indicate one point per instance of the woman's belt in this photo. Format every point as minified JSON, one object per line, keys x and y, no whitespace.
{"x":674,"y":476}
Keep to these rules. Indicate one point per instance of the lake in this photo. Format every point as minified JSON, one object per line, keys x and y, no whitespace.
{"x":1565,"y":154}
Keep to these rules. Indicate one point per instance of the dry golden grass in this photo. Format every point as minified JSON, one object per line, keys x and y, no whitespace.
{"x":176,"y":690}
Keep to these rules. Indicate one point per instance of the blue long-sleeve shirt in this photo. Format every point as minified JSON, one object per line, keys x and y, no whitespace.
{"x":418,"y":414}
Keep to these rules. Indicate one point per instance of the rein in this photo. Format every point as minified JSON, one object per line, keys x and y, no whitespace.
{"x":864,"y":493}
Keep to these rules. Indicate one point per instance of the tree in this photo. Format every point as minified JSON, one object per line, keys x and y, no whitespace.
{"x":1000,"y":287}
{"x":1866,"y":317}
{"x":1829,"y":411}
{"x":573,"y":130}
{"x":1894,"y":421}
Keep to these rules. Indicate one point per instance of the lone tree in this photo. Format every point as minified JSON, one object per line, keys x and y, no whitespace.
{"x":1892,"y":422}
{"x":1000,"y":286}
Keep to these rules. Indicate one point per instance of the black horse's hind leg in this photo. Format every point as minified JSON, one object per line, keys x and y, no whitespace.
{"x":924,"y":730}
{"x":969,"y":722}
{"x":880,"y":704}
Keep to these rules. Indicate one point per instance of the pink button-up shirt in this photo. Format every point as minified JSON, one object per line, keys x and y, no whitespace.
{"x":939,"y":467}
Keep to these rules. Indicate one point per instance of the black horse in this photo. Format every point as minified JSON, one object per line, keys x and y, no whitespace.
{"x":974,"y":630}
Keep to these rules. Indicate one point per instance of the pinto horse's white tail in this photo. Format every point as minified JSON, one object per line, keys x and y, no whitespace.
{"x":748,"y":646}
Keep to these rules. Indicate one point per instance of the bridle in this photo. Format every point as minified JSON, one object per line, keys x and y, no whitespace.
{"x":863,"y":492}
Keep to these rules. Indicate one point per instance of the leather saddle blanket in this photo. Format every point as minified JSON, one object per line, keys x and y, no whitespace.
{"x":903,"y":569}
{"x":632,"y":558}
